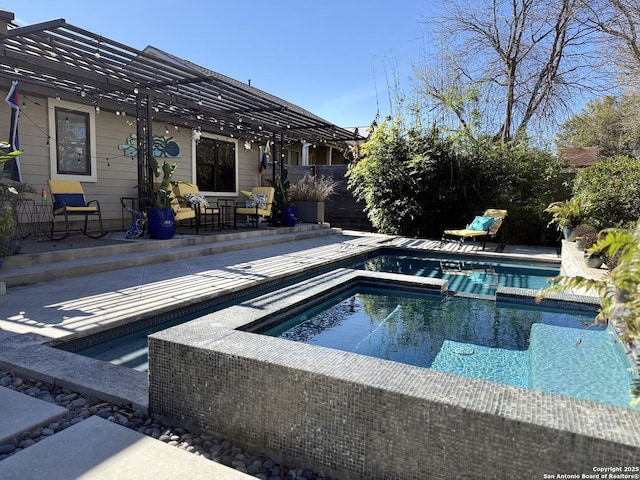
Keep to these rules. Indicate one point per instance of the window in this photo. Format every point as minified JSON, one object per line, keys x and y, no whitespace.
{"x":72,"y":142}
{"x":291,"y":157}
{"x":216,"y":164}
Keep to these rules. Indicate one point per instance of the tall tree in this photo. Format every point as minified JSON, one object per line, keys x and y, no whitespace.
{"x":619,"y":22}
{"x":610,"y":123}
{"x":520,"y":61}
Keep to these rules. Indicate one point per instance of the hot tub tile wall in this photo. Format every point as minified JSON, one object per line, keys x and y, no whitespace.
{"x":358,"y":417}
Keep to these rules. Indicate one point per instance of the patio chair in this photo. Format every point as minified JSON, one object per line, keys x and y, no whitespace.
{"x":485,"y":226}
{"x":258,"y":205}
{"x":189,"y":195}
{"x":69,"y":200}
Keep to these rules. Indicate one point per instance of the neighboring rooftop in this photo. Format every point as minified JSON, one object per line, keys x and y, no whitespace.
{"x":580,"y":157}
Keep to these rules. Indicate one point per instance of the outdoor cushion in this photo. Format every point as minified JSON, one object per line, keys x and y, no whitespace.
{"x":70,"y":199}
{"x":481,"y":223}
{"x":196,"y":198}
{"x":257,"y":199}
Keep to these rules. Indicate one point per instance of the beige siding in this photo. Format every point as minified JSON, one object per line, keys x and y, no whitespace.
{"x":249,"y":167}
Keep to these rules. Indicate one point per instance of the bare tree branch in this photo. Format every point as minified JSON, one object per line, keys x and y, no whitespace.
{"x":618,"y":21}
{"x":525,"y":58}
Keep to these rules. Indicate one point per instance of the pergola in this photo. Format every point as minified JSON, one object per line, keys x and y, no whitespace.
{"x":57,"y":59}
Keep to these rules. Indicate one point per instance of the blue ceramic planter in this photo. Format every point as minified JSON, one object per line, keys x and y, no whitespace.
{"x":289,"y":216}
{"x":162,"y":224}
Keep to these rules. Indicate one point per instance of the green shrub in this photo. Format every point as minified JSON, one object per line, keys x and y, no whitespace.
{"x":418,"y":183}
{"x":611,"y":187}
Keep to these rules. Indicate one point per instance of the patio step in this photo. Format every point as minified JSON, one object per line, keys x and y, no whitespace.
{"x":23,"y":413}
{"x":27,"y":269}
{"x":102,"y":450}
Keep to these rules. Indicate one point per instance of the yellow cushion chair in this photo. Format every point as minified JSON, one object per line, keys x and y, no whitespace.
{"x":260,"y":202}
{"x":68,"y":200}
{"x":189,"y":196}
{"x":483,"y":226}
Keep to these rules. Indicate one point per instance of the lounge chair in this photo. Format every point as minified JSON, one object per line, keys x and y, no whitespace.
{"x":259,"y":205}
{"x":69,"y":200}
{"x":483,"y":227}
{"x":189,"y":196}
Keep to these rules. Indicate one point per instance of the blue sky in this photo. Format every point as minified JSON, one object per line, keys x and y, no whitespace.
{"x":334,"y":58}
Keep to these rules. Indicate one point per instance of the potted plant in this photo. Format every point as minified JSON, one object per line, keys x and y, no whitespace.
{"x":310,"y":194}
{"x":593,"y":258}
{"x":161,"y":217}
{"x":586,"y":231}
{"x":283,"y":209}
{"x":566,"y":215}
{"x":12,"y":196}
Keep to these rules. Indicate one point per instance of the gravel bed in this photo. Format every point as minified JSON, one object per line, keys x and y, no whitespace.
{"x":80,"y":407}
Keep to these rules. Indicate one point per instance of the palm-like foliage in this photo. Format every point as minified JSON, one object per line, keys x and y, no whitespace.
{"x":162,"y":196}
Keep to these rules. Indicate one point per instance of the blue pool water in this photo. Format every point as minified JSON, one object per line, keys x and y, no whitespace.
{"x":529,"y":347}
{"x":466,"y":274}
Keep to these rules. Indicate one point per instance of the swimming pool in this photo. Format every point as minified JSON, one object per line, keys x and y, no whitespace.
{"x":464,"y":273}
{"x":524,"y":346}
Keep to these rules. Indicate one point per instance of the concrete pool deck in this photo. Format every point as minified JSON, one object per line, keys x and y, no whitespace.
{"x":85,"y":293}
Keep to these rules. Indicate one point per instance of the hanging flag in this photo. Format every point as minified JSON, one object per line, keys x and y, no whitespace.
{"x":264,"y":160}
{"x":12,"y":166}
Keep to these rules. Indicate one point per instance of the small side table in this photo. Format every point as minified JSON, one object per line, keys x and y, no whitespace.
{"x":210,"y":212}
{"x":24,"y":218}
{"x":43,"y":220}
{"x":227,"y":213}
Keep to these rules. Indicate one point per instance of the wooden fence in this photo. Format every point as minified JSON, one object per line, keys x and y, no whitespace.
{"x":341,"y":210}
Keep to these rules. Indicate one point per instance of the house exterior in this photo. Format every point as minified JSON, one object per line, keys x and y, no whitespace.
{"x":96,"y":111}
